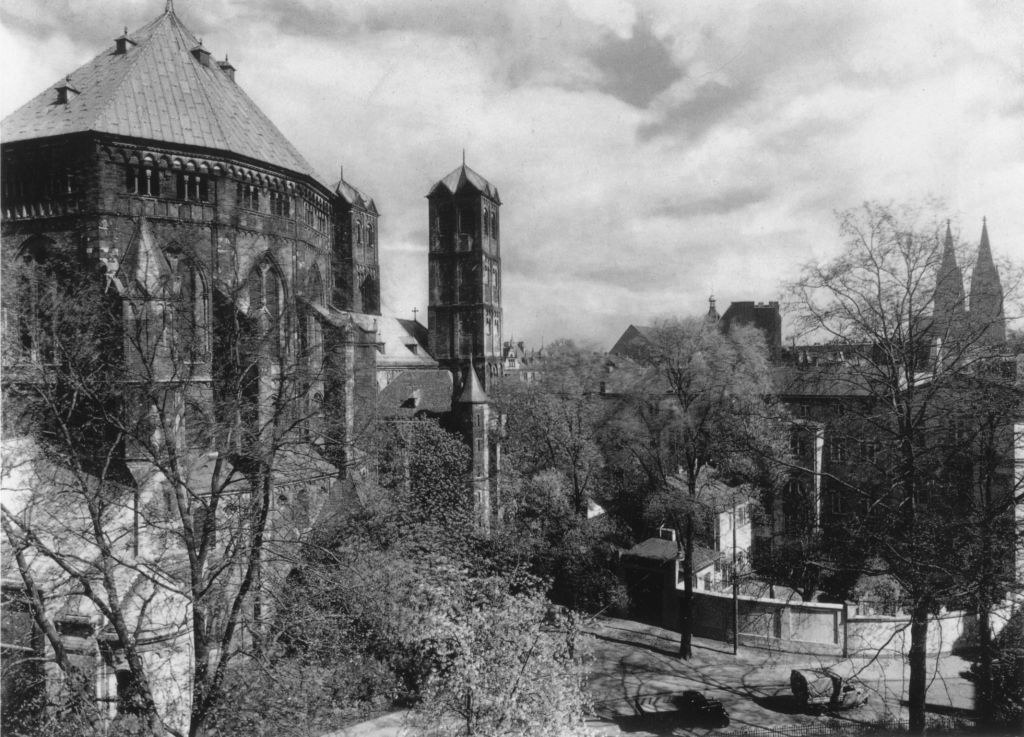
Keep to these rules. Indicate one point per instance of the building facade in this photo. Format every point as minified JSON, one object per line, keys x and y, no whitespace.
{"x":235,"y":292}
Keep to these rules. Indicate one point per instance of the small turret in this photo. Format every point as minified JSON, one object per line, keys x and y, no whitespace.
{"x":476,"y":410}
{"x":712,"y":315}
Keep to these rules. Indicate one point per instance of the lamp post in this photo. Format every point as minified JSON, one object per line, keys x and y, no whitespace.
{"x":735,"y":587}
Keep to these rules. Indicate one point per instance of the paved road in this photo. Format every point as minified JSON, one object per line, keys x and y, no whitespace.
{"x":633,"y":661}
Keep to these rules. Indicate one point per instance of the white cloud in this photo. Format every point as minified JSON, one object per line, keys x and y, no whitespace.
{"x":773,"y":116}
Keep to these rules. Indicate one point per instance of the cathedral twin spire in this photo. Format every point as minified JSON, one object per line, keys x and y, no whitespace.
{"x":985,"y":316}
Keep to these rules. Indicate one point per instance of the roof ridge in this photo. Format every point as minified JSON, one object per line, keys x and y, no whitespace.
{"x":214,"y":119}
{"x":144,"y":46}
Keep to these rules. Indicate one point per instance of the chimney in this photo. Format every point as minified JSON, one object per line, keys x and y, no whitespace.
{"x":227,"y":68}
{"x":201,"y":54}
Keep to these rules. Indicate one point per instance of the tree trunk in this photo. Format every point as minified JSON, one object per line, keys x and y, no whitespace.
{"x":686,"y":605}
{"x":983,"y":685}
{"x":918,"y":687}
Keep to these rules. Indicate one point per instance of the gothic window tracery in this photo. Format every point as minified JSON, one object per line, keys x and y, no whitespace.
{"x":183,"y":295}
{"x":265,"y":291}
{"x":34,"y":304}
{"x":312,"y":333}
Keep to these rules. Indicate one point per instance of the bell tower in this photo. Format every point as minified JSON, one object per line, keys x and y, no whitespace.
{"x":465,"y":274}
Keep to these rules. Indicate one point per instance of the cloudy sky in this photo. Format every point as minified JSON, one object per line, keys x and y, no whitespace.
{"x":647,"y":153}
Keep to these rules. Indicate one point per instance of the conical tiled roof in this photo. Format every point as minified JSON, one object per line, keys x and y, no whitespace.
{"x":158,"y":90}
{"x":473,"y":393}
{"x":463,"y":176}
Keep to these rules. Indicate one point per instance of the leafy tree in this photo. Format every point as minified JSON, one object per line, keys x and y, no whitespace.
{"x":553,"y":423}
{"x":512,"y":665}
{"x":928,"y":371}
{"x":372,"y":623}
{"x":701,"y":415}
{"x":424,"y":468}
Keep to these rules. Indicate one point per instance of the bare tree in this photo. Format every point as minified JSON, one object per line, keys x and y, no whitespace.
{"x":167,"y":472}
{"x":931,"y":378}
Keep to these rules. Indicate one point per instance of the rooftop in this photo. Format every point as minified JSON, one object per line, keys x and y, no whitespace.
{"x":163,"y":86}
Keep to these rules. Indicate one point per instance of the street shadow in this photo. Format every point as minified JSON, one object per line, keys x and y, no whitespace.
{"x":780,"y":703}
{"x":946,"y":710}
{"x":660,"y":723}
{"x":634,"y":643}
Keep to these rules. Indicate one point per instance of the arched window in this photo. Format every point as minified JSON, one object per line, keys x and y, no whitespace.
{"x":35,"y":294}
{"x":186,"y":308}
{"x":266,"y":299}
{"x":312,"y":333}
{"x":144,"y":178}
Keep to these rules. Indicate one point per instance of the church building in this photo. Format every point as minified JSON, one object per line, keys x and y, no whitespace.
{"x":233,"y":290}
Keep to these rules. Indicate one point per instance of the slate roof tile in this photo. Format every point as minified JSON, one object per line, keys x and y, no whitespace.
{"x":159,"y":91}
{"x":462,"y":176}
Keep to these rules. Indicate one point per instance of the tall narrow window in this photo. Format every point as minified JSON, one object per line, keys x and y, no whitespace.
{"x":36,"y":301}
{"x":266,"y":300}
{"x":313,"y":333}
{"x":185,"y":297}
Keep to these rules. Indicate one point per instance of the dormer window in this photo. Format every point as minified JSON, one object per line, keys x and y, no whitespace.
{"x":201,"y":54}
{"x":227,"y":68}
{"x":123,"y":43}
{"x":65,"y":92}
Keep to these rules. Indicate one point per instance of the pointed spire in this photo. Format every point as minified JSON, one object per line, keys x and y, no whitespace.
{"x":987,"y":316}
{"x":463,"y":156}
{"x":169,"y":7}
{"x":473,"y":392}
{"x":949,"y":298}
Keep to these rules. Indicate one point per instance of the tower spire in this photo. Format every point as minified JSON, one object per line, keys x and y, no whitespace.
{"x":949,"y":298}
{"x":987,"y":317}
{"x":169,"y":7}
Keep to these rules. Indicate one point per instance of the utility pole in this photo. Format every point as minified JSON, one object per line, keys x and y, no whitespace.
{"x":735,"y":587}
